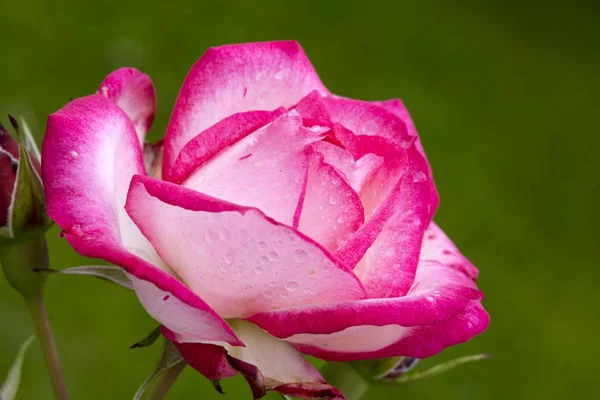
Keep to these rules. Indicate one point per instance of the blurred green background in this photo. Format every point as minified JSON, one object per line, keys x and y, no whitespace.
{"x":504,"y":94}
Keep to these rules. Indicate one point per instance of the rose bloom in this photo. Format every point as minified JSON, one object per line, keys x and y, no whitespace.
{"x":274,"y":220}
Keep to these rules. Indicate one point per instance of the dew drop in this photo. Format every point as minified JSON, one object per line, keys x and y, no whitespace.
{"x":262,"y":245}
{"x":291,"y":286}
{"x":340,"y":220}
{"x":419,"y":177}
{"x":209,"y":237}
{"x":258,"y":270}
{"x":311,"y":271}
{"x":223,"y":268}
{"x":332,"y":200}
{"x":272,"y":283}
{"x":263,"y":260}
{"x":225,"y":235}
{"x":268,"y":294}
{"x":300,"y":255}
{"x":228,"y":257}
{"x":282,"y":74}
{"x":273,"y":256}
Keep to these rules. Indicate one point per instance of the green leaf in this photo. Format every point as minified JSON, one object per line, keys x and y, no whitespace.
{"x":440,"y":368}
{"x":108,"y":273}
{"x":148,"y":340}
{"x":11,"y":385}
{"x":169,"y":358}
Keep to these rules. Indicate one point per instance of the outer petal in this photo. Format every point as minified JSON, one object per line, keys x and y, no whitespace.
{"x":236,"y":78}
{"x":419,"y":342}
{"x":399,"y":109}
{"x":437,"y":246}
{"x":331,"y":209}
{"x":234,"y":257}
{"x":265,"y":170}
{"x":388,"y":245}
{"x":439,"y":293}
{"x":90,"y":153}
{"x":134,"y":93}
{"x":217,"y":138}
{"x":266,"y":362}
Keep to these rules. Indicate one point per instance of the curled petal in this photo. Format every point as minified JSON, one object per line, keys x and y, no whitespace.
{"x":419,"y":342}
{"x":236,"y":78}
{"x":234,"y":257}
{"x":218,"y":138}
{"x":267,"y":363}
{"x":331,"y":209}
{"x":438,"y":247}
{"x":133,"y":92}
{"x":266,"y":169}
{"x":90,"y":153}
{"x":438,"y":294}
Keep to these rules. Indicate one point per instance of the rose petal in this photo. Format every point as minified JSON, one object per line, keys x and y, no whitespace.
{"x":437,"y":246}
{"x":236,"y":78}
{"x":266,"y":169}
{"x":356,"y":173}
{"x":217,"y":138}
{"x":134,"y":93}
{"x":384,"y":252}
{"x":364,"y":118}
{"x":234,"y":257}
{"x":399,"y":109}
{"x":419,"y":342}
{"x":266,"y":362}
{"x":90,"y":153}
{"x":439,"y":293}
{"x":331,"y":209}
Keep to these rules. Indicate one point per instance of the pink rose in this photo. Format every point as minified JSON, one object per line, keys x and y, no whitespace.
{"x":275,"y":219}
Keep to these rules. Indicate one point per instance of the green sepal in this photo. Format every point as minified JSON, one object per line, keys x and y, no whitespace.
{"x":438,"y":369}
{"x":148,"y":340}
{"x":108,"y":273}
{"x":169,"y":359}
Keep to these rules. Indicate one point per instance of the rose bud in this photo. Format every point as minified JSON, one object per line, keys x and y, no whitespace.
{"x":23,"y":218}
{"x":284,"y":220}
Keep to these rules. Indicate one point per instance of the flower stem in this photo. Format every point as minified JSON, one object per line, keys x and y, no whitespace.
{"x":166,"y":381}
{"x":346,"y":379}
{"x":44,"y":333}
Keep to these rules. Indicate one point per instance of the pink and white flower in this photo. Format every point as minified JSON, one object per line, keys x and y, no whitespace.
{"x":274,"y":219}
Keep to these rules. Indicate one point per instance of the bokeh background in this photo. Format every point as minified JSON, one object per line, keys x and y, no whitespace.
{"x":505,"y":97}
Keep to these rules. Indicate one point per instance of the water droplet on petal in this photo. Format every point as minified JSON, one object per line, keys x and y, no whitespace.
{"x":273,"y":256}
{"x":272,"y":283}
{"x":262,"y":245}
{"x":228,"y":257}
{"x":225,"y":235}
{"x":282,"y":74}
{"x":419,"y":177}
{"x":263,"y":260}
{"x":258,"y":270}
{"x":291,"y":286}
{"x":300,"y":255}
{"x":332,"y":200}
